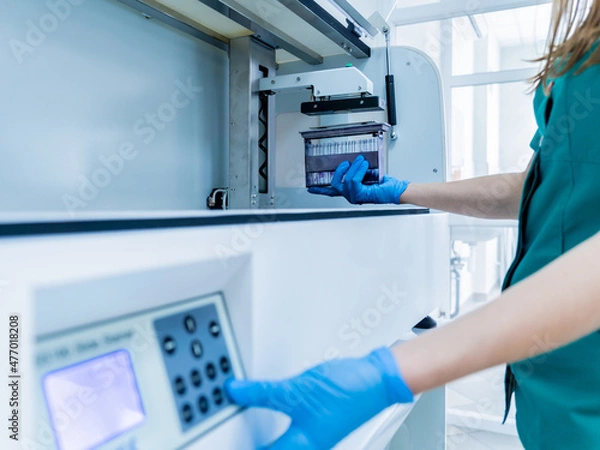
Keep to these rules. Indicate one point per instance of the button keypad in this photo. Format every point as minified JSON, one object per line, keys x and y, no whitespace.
{"x":197,"y":361}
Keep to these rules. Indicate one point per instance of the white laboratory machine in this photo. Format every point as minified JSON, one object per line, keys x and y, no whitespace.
{"x":136,"y":298}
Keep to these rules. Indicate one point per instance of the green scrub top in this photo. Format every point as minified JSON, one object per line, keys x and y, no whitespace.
{"x":557,"y":394}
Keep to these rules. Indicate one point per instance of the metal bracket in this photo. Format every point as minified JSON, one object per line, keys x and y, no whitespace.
{"x":250,"y":61}
{"x":344,"y":81}
{"x":355,"y":16}
{"x":319,"y":18}
{"x":267,"y":32}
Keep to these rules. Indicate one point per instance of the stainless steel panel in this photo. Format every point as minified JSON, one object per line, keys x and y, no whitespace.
{"x":94,"y":85}
{"x":247,"y":56}
{"x":315,"y":15}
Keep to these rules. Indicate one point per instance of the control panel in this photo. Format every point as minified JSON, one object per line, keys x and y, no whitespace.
{"x":115,"y":384}
{"x":197,"y":361}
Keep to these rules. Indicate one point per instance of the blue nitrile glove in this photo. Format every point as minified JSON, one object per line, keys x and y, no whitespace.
{"x":329,"y":401}
{"x":348,"y":181}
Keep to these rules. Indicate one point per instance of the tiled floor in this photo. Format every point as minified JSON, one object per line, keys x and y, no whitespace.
{"x":475,"y":407}
{"x":482,"y":393}
{"x":469,"y":439}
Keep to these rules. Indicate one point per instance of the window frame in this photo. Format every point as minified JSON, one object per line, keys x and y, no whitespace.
{"x":451,"y":9}
{"x":445,"y":12}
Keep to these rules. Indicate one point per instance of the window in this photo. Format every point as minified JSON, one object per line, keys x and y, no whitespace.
{"x":485,"y":60}
{"x":503,"y":40}
{"x":491,"y":127}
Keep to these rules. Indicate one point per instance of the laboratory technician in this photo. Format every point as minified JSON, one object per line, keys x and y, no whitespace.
{"x":545,"y":324}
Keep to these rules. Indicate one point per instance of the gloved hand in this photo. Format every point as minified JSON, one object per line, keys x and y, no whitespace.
{"x":348,"y":181}
{"x":329,"y":401}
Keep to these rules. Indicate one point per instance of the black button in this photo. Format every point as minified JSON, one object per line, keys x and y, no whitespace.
{"x":211,"y":372}
{"x":196,"y":378}
{"x":190,"y":324}
{"x":197,"y":348}
{"x":186,"y":413}
{"x":224,"y":363}
{"x":218,"y":396}
{"x":203,"y":404}
{"x":214,"y":328}
{"x":169,"y":345}
{"x":179,"y":385}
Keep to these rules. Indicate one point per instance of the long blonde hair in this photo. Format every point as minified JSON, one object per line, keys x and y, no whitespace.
{"x":575,"y":29}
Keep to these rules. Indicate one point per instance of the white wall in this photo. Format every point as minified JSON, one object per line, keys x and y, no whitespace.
{"x":78,"y":80}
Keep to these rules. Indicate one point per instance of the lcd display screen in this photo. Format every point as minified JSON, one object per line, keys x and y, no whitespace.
{"x":93,"y":401}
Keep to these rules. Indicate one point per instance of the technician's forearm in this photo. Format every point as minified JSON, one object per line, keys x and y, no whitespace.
{"x":550,"y":309}
{"x":490,"y":197}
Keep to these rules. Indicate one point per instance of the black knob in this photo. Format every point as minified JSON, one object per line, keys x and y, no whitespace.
{"x":224,"y":364}
{"x":186,"y":413}
{"x":179,"y":385}
{"x":190,"y":324}
{"x":197,"y":350}
{"x":211,"y":371}
{"x":196,"y":378}
{"x":203,"y":404}
{"x":169,"y":345}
